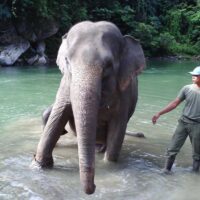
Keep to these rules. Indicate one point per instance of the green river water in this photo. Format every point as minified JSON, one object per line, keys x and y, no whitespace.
{"x":26,"y":92}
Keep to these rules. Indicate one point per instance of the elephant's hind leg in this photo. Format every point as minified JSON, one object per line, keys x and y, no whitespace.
{"x":45,"y":117}
{"x":115,"y":137}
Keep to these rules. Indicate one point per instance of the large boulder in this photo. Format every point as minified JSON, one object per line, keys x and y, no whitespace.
{"x":9,"y":54}
{"x":11,"y":44}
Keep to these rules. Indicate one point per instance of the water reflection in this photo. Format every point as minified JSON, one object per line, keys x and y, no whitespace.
{"x":137,"y":175}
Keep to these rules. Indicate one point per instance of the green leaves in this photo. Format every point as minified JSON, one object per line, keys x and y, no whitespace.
{"x":163,"y":26}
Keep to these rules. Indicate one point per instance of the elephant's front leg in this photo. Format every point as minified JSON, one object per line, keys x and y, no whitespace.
{"x":60,"y":115}
{"x":115,"y":137}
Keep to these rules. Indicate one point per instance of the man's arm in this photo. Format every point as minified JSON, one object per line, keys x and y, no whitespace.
{"x":171,"y":106}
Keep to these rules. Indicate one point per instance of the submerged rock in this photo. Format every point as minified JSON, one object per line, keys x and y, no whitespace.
{"x":138,"y":134}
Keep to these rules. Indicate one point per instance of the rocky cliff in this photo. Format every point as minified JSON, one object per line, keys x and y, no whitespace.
{"x":23,"y":42}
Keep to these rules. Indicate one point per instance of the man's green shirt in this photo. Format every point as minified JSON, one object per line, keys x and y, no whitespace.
{"x":191,"y":95}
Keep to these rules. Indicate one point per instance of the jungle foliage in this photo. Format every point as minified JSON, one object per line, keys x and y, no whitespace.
{"x":165,"y":27}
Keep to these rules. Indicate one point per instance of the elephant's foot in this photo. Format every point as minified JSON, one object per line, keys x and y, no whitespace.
{"x":45,"y":163}
{"x":87,"y":180}
{"x":100,"y":148}
{"x":111,"y":157}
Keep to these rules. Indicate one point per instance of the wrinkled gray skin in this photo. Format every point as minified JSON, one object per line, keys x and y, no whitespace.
{"x":99,"y":90}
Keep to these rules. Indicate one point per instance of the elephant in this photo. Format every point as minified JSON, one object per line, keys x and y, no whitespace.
{"x":45,"y":116}
{"x":97,"y":94}
{"x":71,"y":128}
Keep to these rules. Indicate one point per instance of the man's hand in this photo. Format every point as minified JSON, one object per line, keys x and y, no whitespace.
{"x":155,"y":118}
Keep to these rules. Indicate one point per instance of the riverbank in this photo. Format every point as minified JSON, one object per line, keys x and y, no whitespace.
{"x":51,"y":61}
{"x":176,"y":57}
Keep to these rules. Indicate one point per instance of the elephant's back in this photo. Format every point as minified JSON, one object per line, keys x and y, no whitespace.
{"x":93,"y":32}
{"x":100,"y":26}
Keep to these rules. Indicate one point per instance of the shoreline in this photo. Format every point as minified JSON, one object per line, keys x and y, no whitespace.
{"x":176,"y":57}
{"x":52,"y":61}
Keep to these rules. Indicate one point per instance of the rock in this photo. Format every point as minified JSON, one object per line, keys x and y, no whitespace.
{"x":36,"y":59}
{"x":8,"y":34}
{"x":16,"y":39}
{"x":10,"y":53}
{"x":36,"y":54}
{"x":40,"y":48}
{"x":41,"y":61}
{"x":36,"y":31}
{"x":11,"y":44}
{"x":32,"y":60}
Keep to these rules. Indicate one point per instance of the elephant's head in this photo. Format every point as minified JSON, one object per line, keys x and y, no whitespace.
{"x":90,"y":53}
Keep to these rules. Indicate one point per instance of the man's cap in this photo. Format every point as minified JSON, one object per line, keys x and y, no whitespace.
{"x":196,"y":71}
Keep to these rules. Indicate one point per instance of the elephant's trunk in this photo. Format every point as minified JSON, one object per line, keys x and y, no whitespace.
{"x":85,"y":96}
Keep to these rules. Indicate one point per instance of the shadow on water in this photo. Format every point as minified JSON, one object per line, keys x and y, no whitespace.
{"x":138,"y":173}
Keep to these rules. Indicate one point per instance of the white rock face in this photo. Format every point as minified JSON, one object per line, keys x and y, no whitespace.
{"x":10,"y":53}
{"x":42,"y":61}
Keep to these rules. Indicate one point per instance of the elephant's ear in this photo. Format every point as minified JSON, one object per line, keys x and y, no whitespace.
{"x":132,"y":62}
{"x":61,"y":60}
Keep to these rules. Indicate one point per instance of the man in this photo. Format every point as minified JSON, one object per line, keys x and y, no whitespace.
{"x":188,"y":124}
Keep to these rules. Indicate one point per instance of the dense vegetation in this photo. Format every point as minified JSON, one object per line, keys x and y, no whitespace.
{"x":165,"y":27}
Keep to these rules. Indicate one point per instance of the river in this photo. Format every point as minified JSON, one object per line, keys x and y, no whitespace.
{"x":26,"y":92}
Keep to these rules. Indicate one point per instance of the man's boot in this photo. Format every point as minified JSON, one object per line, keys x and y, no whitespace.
{"x":196,"y":165}
{"x":168,"y":164}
